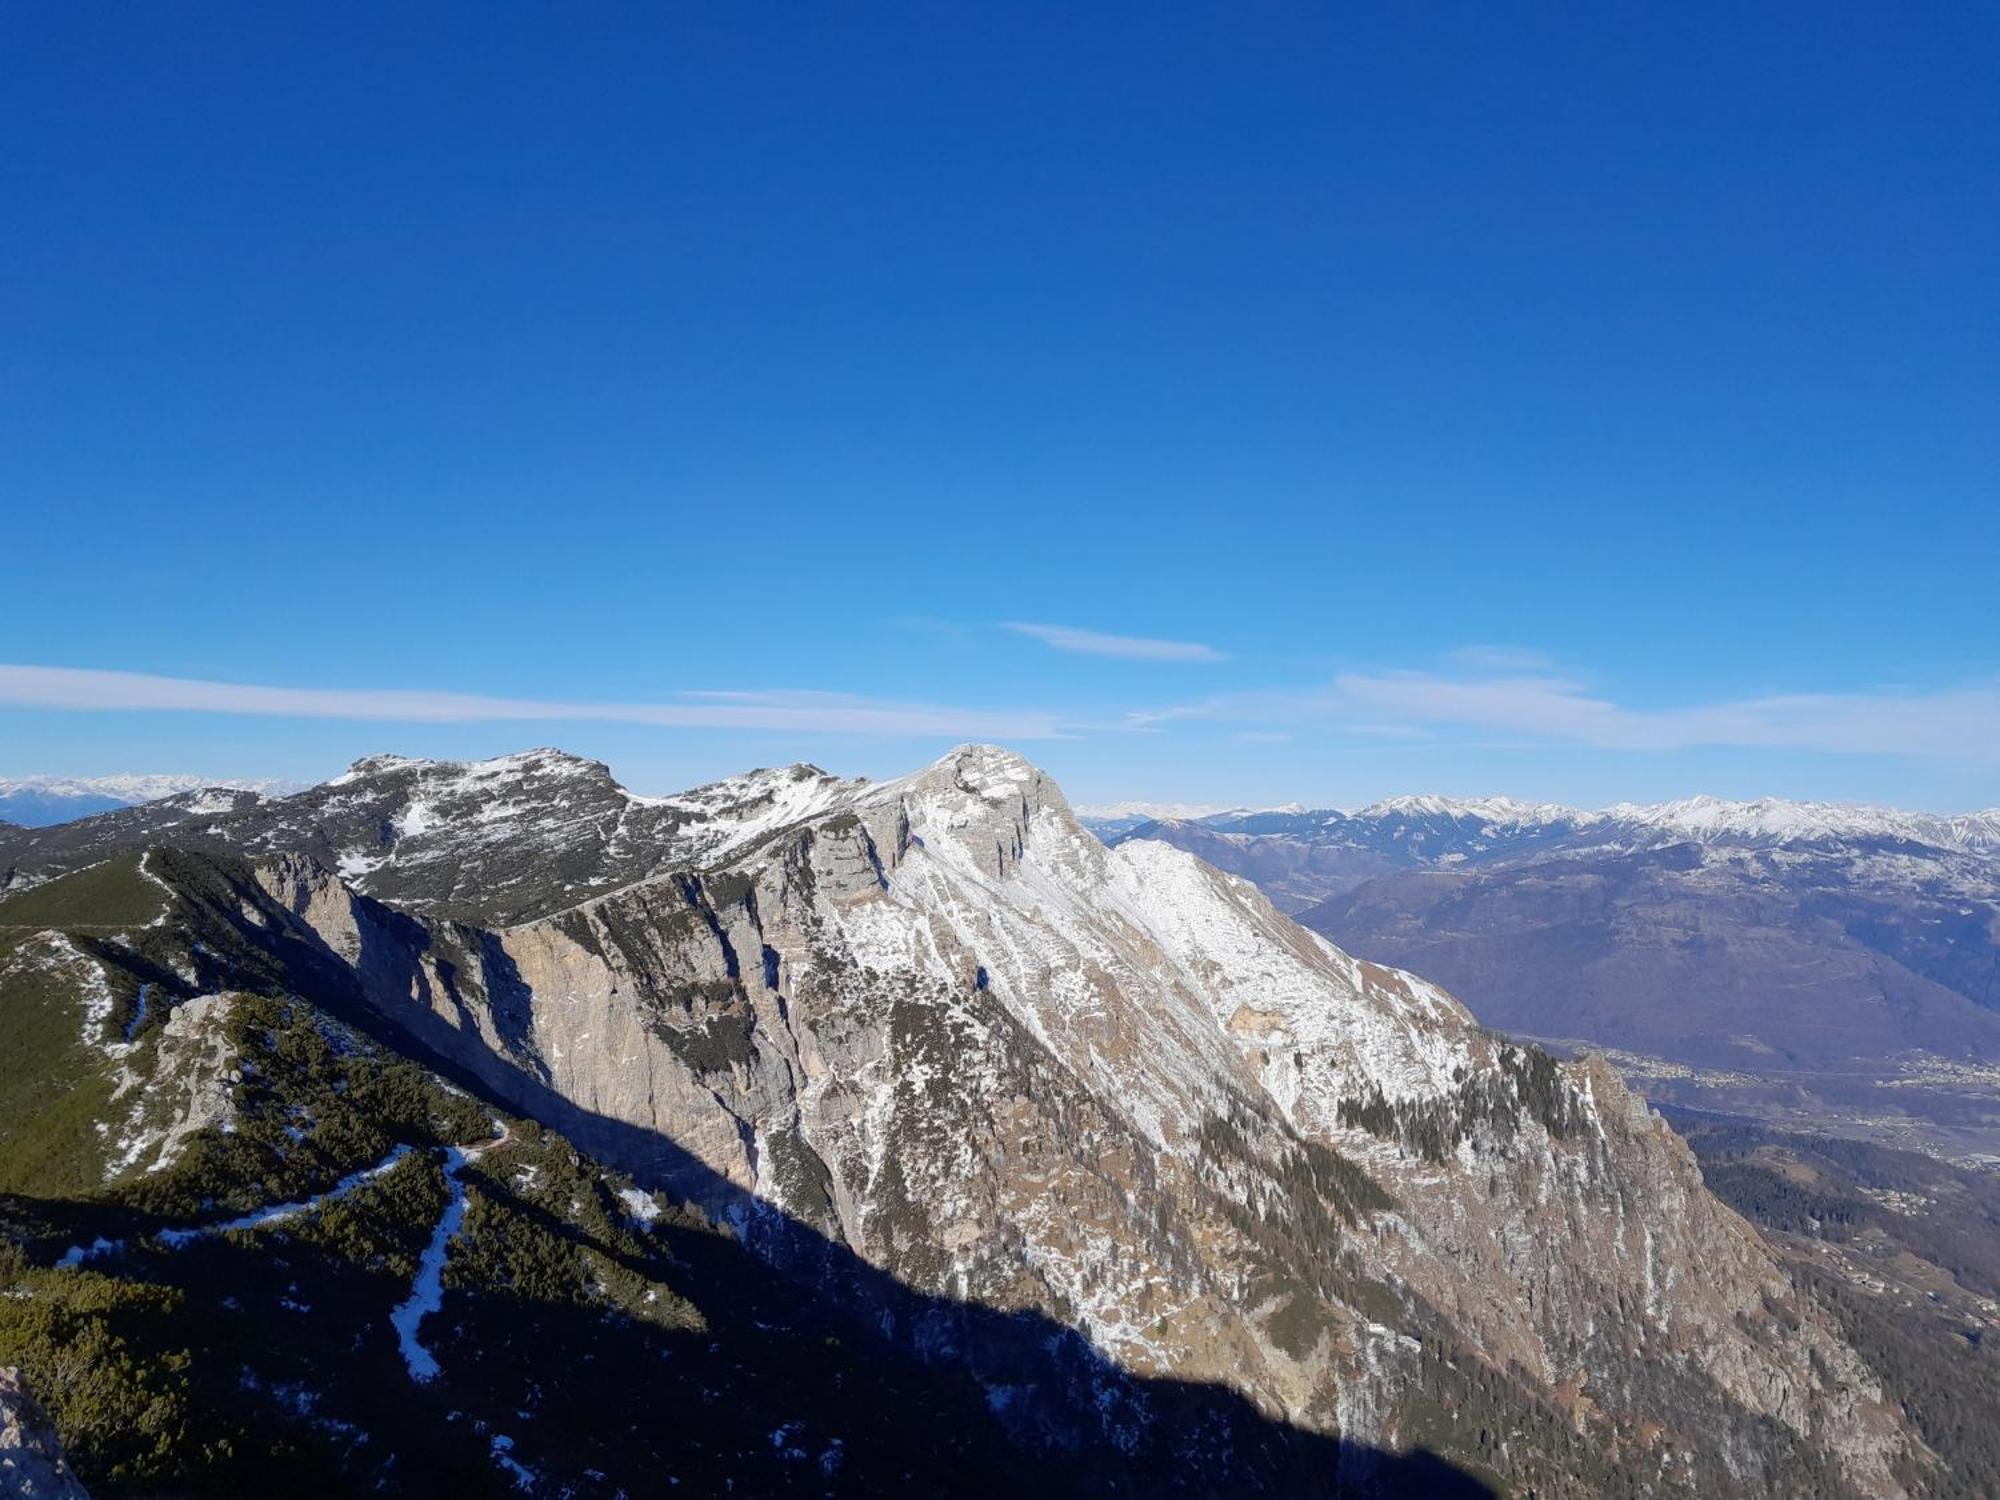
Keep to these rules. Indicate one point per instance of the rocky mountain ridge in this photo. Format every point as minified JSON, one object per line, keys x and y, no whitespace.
{"x":497,"y":840}
{"x":933,"y":1030}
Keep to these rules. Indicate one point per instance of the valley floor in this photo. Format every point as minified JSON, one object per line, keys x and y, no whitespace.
{"x":1918,"y":1102}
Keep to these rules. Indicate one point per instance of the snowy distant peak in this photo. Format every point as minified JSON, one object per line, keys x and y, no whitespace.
{"x":1504,"y":812}
{"x":1699,"y":819}
{"x":1707,"y":819}
{"x":1481,"y":825}
{"x":130,"y":788}
{"x":1979,"y":831}
{"x":40,"y":801}
{"x":1774,"y":820}
{"x":1156,"y":812}
{"x":1767,"y":819}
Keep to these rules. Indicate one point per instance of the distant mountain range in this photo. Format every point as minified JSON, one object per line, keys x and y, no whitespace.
{"x":1813,"y":964}
{"x":38,"y":801}
{"x":1429,"y":826}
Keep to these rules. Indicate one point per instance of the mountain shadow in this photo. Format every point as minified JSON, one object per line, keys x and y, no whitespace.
{"x":933,"y":1395}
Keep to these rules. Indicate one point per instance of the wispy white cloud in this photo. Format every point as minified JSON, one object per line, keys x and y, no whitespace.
{"x":1130,"y":647}
{"x":1490,"y":658}
{"x":1387,"y":731}
{"x":81,"y":688}
{"x":1955,"y":723}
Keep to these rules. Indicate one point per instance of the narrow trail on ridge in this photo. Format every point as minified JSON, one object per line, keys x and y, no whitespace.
{"x":427,"y":1289}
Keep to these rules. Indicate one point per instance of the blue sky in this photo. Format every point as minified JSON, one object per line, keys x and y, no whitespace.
{"x":1585,"y":404}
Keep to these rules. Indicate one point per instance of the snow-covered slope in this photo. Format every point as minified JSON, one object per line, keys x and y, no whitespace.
{"x":1774,"y":820}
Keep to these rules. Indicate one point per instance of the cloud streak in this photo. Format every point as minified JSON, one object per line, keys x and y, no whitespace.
{"x":1127,"y":647}
{"x":1957,"y":723}
{"x":1954,"y":723}
{"x":1501,"y":659}
{"x":835,"y":713}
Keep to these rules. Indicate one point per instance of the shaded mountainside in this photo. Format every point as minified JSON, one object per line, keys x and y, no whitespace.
{"x":1809,"y":965}
{"x":1905,"y":1251}
{"x":1067,"y":1152}
{"x":590,"y":1337}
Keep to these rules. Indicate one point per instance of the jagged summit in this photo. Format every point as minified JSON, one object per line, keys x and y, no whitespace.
{"x":542,"y":761}
{"x":518,"y":836}
{"x":988,"y":773}
{"x":378,"y":764}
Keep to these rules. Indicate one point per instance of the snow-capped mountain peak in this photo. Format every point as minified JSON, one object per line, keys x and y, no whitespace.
{"x":1149,"y":812}
{"x":1778,"y":820}
{"x":1500,"y":811}
{"x":128,"y":788}
{"x":1701,"y":819}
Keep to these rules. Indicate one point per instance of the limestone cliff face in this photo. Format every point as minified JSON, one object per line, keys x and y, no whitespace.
{"x":937,"y":1023}
{"x":32,"y":1464}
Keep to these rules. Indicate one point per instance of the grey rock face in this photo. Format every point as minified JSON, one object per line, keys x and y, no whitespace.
{"x":32,"y":1464}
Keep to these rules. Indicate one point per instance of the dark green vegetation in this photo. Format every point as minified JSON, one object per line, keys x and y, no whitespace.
{"x":114,"y":896}
{"x":1905,"y":1252}
{"x":1494,"y":1421}
{"x":53,"y":1089}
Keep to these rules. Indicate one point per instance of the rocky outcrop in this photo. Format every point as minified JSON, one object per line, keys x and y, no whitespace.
{"x":937,"y":1024}
{"x":32,"y":1464}
{"x":186,"y":1088}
